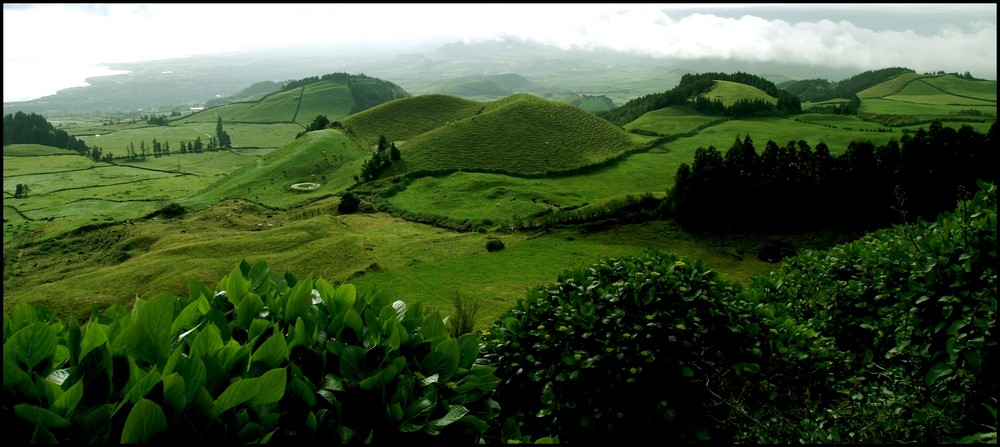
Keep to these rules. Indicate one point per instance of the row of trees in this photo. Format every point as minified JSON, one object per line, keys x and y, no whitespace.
{"x":795,"y":186}
{"x":20,"y":190}
{"x":31,"y":128}
{"x":817,"y":90}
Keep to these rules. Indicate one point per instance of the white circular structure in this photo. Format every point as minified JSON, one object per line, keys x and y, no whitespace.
{"x":306,"y":186}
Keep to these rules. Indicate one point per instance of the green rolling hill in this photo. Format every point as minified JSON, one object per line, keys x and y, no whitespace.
{"x":521,"y":134}
{"x":335,"y":98}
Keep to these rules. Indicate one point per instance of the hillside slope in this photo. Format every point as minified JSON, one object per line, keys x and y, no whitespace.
{"x":521,"y":134}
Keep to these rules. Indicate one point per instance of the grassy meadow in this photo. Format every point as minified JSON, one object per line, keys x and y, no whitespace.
{"x":240,"y":205}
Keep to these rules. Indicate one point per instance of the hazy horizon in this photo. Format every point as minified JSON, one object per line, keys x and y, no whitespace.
{"x":50,"y":47}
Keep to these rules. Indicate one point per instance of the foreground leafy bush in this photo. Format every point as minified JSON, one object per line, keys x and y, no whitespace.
{"x":263,"y":358}
{"x":912,"y":309}
{"x":641,"y":348}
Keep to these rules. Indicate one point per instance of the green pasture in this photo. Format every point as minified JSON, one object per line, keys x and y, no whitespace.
{"x":671,"y":120}
{"x":891,"y":106}
{"x":300,"y":106}
{"x":847,"y":122}
{"x":250,"y":135}
{"x":923,"y":92}
{"x":889,"y":87}
{"x":242,"y":135}
{"x":779,"y":130}
{"x":324,"y":98}
{"x":408,"y":261}
{"x":985,"y":90}
{"x":503,"y":199}
{"x":327,"y":157}
{"x":70,"y":191}
{"x":32,"y":150}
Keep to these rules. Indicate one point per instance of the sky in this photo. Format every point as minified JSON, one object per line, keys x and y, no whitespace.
{"x":49,"y":47}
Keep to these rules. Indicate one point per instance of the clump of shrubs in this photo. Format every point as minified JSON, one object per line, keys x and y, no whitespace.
{"x":494,"y":245}
{"x":641,"y":348}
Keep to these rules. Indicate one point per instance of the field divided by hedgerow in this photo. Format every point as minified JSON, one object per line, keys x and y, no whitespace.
{"x":325,"y":157}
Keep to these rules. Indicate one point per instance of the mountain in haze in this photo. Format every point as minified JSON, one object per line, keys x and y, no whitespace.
{"x":179,"y":84}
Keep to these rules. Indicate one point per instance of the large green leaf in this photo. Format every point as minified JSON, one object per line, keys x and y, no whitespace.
{"x":237,"y":393}
{"x":443,"y":360}
{"x":150,"y":332}
{"x":299,"y":299}
{"x":236,"y":286}
{"x":344,"y":298}
{"x":39,"y":415}
{"x":186,"y":319}
{"x":273,"y":351}
{"x":248,"y":309}
{"x":207,"y":342}
{"x":95,"y":425}
{"x":195,"y":375}
{"x":175,"y":392}
{"x":66,"y":402}
{"x":140,"y":388}
{"x":93,"y":337}
{"x":33,"y":344}
{"x":198,"y":291}
{"x":16,"y":380}
{"x":455,"y":413}
{"x":144,"y":421}
{"x":272,"y":386}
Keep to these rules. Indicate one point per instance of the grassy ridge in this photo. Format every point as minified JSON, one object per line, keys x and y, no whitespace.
{"x":406,"y":118}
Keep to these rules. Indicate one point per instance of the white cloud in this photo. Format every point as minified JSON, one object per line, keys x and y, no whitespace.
{"x":51,"y":42}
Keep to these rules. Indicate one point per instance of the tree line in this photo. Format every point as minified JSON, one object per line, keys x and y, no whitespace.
{"x":797,"y":187}
{"x":690,"y":89}
{"x":31,"y":128}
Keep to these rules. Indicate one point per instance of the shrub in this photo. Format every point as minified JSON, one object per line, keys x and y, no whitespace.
{"x":263,"y":358}
{"x":913,"y":309}
{"x":349,"y":203}
{"x":494,"y":245}
{"x":645,"y":348}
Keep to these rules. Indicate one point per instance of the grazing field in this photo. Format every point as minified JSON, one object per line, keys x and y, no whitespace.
{"x":671,"y":120}
{"x":729,"y":92}
{"x":71,"y":191}
{"x":779,"y":130}
{"x":410,"y":261}
{"x":326,"y":157}
{"x":504,"y":199}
